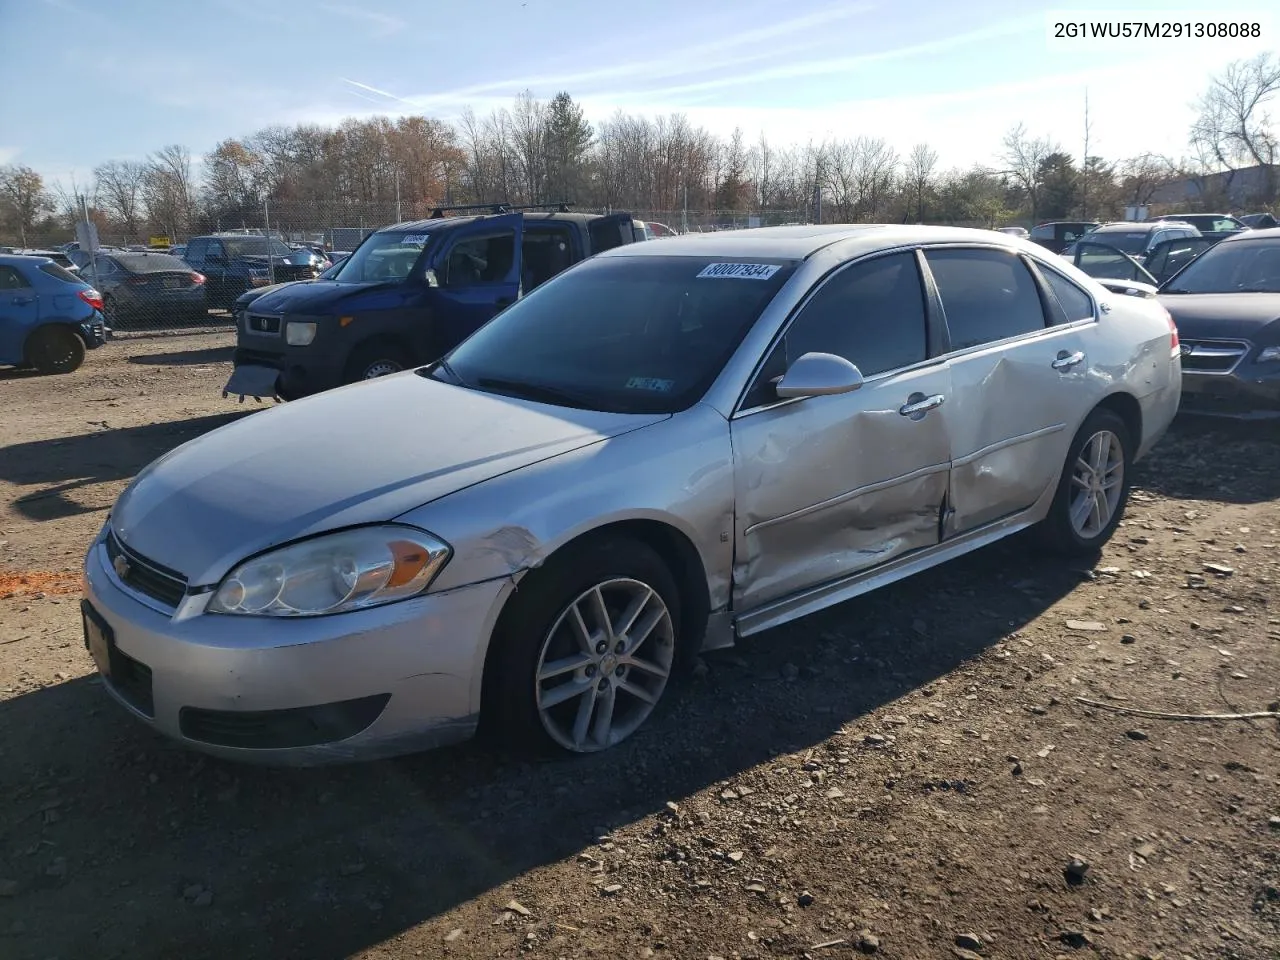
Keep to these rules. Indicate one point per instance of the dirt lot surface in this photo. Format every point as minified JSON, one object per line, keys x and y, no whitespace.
{"x":908,"y":775}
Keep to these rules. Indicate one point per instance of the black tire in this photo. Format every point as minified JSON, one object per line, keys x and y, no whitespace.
{"x":385,"y":355}
{"x":55,"y":349}
{"x":510,"y":715}
{"x":1057,"y":532}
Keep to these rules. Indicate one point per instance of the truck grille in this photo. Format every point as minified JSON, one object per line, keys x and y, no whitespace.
{"x":261,"y":323}
{"x":145,"y":576}
{"x":1213,"y":356}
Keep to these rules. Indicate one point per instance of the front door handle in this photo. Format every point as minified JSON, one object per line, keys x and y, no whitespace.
{"x":1066,"y":360}
{"x":918,"y":405}
{"x":23,"y":301}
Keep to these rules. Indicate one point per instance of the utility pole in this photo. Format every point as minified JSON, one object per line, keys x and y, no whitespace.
{"x":1084,"y":166}
{"x":398,"y":195}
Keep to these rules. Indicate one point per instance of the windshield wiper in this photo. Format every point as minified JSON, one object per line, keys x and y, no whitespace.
{"x":538,"y":391}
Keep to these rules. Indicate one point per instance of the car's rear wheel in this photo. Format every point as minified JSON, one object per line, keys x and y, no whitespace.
{"x":584,"y":650}
{"x":1094,"y":486}
{"x":55,"y":349}
{"x":376,"y":359}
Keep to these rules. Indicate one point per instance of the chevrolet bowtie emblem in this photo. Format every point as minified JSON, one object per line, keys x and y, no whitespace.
{"x":1186,"y":349}
{"x":121,"y":566}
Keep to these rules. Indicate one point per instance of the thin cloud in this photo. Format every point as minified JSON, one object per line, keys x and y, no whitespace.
{"x":381,"y":93}
{"x":9,"y":154}
{"x":381,"y":23}
{"x":686,"y":61}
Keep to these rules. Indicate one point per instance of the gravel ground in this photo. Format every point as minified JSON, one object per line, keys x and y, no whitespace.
{"x":909,"y":775}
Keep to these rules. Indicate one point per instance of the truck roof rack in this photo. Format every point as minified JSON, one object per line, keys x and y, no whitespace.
{"x":496,"y":208}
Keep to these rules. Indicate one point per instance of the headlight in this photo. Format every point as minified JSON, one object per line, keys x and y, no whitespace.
{"x":1268,"y":354}
{"x":298,"y":333}
{"x":363,"y":567}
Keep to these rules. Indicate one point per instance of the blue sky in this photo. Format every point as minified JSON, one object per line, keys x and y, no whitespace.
{"x":88,"y":81}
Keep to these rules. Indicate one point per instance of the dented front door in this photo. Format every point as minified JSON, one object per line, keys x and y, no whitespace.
{"x":830,"y":486}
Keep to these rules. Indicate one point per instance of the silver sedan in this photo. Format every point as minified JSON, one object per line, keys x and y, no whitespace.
{"x":667,"y":447}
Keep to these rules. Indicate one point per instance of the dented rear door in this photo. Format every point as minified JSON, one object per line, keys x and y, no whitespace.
{"x":829,"y":486}
{"x":1019,"y":384}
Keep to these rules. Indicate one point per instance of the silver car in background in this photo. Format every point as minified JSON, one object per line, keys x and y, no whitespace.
{"x":666,"y":447}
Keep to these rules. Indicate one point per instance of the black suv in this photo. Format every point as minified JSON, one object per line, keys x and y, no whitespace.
{"x":235,"y":262}
{"x":407,"y":295}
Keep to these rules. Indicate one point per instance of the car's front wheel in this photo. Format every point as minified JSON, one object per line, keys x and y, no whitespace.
{"x":376,"y":359}
{"x":585,"y":649}
{"x":1094,"y":486}
{"x":55,"y":349}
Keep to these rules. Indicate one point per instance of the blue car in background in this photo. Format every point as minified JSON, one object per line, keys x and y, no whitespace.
{"x":49,"y":317}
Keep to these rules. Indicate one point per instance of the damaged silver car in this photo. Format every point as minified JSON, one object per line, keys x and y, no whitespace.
{"x":666,"y":447}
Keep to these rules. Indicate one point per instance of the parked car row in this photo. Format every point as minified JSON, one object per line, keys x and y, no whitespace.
{"x":653,"y":449}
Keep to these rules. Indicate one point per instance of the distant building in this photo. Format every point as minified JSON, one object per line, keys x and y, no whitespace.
{"x":1246,"y":187}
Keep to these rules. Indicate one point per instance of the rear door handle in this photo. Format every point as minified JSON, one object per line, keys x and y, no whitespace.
{"x":1066,"y":360}
{"x":918,"y":405}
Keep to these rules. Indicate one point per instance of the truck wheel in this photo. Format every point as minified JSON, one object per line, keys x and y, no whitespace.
{"x":55,"y":349}
{"x":376,"y":359}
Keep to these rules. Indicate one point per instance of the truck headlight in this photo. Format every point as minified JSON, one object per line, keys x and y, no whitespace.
{"x":299,"y":333}
{"x":334,"y":573}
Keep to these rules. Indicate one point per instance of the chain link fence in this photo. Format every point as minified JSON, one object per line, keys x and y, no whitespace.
{"x":170,"y":281}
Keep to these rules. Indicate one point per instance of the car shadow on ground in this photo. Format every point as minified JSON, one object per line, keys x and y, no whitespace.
{"x":186,"y":357}
{"x":1216,"y":459}
{"x":61,"y":466}
{"x":325,"y":862}
{"x":18,"y":373}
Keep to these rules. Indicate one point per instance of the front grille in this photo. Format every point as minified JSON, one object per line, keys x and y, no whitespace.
{"x":261,"y":323}
{"x":1212,"y":356}
{"x":145,"y":576}
{"x":280,"y":729}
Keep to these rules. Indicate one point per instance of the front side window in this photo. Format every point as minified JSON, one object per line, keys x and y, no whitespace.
{"x":987,"y":295}
{"x":624,"y":334}
{"x":479,"y":260}
{"x":871,"y":313}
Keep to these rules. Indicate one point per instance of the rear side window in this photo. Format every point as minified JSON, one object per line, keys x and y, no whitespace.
{"x":196,"y":249}
{"x":1042,"y":233}
{"x":53,"y":270}
{"x":1076,"y":304}
{"x":12,"y":279}
{"x":987,"y":295}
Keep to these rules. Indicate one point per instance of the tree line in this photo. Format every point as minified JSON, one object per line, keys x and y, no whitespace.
{"x":367,"y":172}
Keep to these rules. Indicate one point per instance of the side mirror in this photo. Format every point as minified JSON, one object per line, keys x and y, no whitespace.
{"x":819,"y":375}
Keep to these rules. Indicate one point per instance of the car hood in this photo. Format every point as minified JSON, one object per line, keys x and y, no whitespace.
{"x":317,"y":295}
{"x":359,"y":454}
{"x":1222,"y":315}
{"x":253,"y":293}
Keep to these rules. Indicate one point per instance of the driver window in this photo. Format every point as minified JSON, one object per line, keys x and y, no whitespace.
{"x":872,"y":313}
{"x":480,"y":260}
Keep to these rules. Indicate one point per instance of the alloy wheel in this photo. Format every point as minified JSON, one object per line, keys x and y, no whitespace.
{"x":604,"y":665}
{"x":1097,"y":483}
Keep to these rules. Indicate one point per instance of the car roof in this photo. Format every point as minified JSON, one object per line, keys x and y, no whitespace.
{"x":18,"y":259}
{"x":799,"y":242}
{"x":449,"y":223}
{"x":1267,"y":233}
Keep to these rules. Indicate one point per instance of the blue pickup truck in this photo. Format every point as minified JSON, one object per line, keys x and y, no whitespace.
{"x":407,"y":295}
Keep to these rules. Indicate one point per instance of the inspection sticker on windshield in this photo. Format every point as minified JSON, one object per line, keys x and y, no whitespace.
{"x":739,"y":271}
{"x":414,"y":239}
{"x":650,"y":383}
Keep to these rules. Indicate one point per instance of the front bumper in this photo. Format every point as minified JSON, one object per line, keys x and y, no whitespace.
{"x":1247,"y":390}
{"x":221,"y":684}
{"x":300,"y":371}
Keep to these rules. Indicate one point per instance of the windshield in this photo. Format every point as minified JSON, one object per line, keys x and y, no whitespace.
{"x":384,"y":256}
{"x":1242,"y":266}
{"x":254,"y":247}
{"x":622,"y":334}
{"x":1126,"y":241}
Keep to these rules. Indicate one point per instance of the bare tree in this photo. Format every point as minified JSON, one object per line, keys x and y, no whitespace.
{"x":921,"y":165}
{"x":23,"y":198}
{"x":1233,"y":126}
{"x":168,"y":191}
{"x":1024,"y":158}
{"x":119,"y":186}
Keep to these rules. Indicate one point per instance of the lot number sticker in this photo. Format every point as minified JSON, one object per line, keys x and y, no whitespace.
{"x":650,"y":383}
{"x":739,"y":271}
{"x":414,"y":239}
